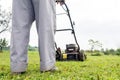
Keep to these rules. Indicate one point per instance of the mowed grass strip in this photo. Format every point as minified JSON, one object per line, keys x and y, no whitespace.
{"x":94,"y":68}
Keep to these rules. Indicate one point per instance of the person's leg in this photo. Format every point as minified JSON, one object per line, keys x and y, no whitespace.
{"x":22,"y":18}
{"x":45,"y":14}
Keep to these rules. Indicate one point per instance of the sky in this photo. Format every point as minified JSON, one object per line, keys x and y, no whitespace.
{"x":94,"y":19}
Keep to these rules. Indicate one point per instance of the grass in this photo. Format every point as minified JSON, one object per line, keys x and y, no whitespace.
{"x":94,"y":68}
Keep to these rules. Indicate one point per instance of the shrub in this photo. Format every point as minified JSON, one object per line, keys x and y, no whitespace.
{"x":118,"y":51}
{"x":110,"y":52}
{"x":97,"y":54}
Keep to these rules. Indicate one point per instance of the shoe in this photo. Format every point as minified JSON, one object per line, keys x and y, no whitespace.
{"x":54,"y":69}
{"x":17,"y":73}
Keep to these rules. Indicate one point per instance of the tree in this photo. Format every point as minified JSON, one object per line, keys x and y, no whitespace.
{"x":5,"y":19}
{"x":118,"y":51}
{"x":3,"y":43}
{"x":32,"y":48}
{"x":94,"y":44}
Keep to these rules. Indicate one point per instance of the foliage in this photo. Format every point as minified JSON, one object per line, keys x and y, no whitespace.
{"x":94,"y":68}
{"x":32,"y":48}
{"x":5,"y":19}
{"x":118,"y":51}
{"x":110,"y":52}
{"x":97,"y":54}
{"x":3,"y":43}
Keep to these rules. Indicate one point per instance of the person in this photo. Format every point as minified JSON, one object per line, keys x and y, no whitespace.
{"x":24,"y":12}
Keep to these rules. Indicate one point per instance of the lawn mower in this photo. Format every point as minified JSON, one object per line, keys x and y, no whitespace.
{"x":72,"y":51}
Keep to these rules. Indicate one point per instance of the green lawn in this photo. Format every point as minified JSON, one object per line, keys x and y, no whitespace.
{"x":94,"y":68}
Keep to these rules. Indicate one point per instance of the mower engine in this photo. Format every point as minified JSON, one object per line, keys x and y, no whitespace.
{"x":71,"y":51}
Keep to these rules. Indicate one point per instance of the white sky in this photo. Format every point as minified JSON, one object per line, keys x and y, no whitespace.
{"x":95,"y":19}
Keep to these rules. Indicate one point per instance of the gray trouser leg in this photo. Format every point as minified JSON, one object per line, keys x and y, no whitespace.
{"x":23,"y":16}
{"x":45,"y":14}
{"x":22,"y":19}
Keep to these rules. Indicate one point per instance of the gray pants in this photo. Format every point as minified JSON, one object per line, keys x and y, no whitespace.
{"x":24,"y":13}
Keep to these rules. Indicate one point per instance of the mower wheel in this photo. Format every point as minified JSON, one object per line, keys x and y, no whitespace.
{"x":58,"y":54}
{"x":82,"y":56}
